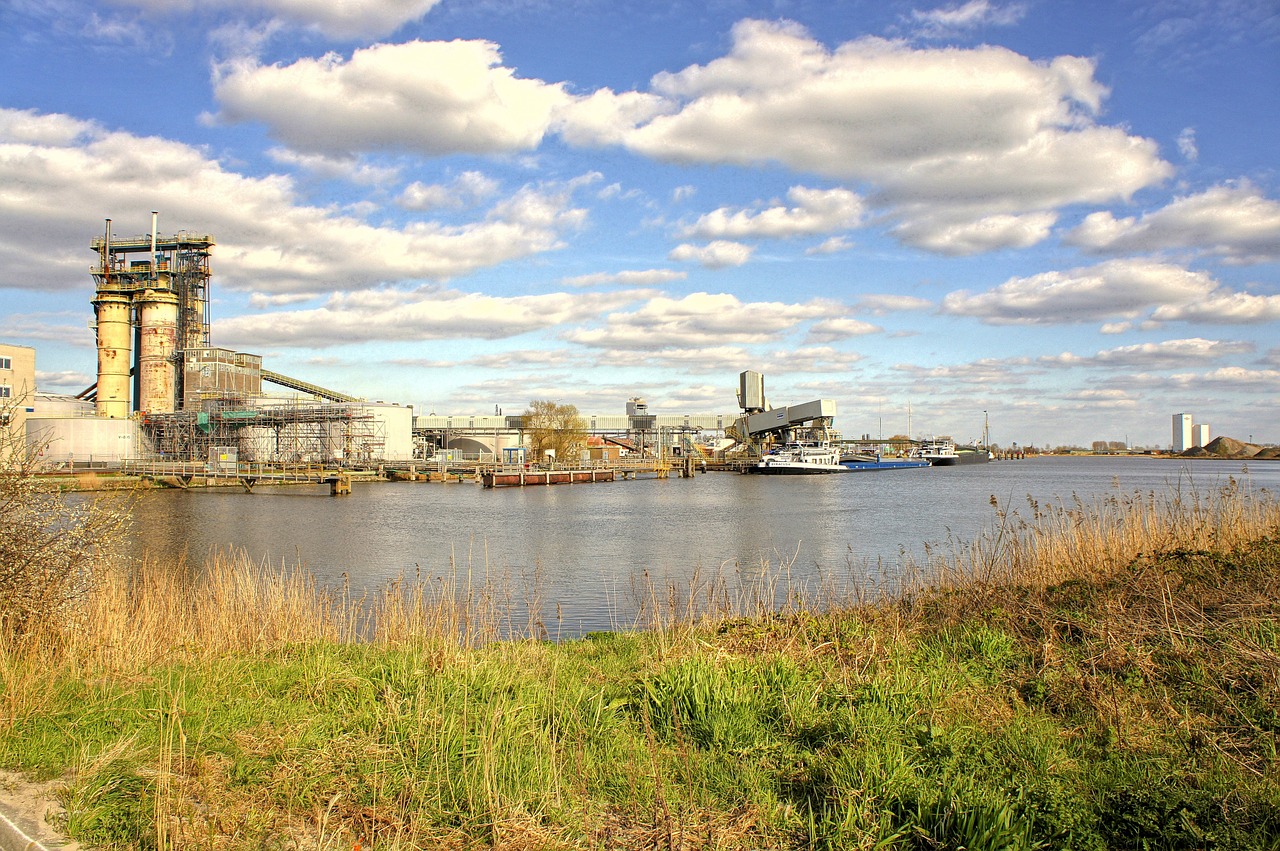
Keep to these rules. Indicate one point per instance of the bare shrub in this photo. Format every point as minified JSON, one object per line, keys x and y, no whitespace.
{"x":50,"y":547}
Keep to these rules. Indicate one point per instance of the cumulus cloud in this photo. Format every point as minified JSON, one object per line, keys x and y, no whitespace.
{"x":814,"y":211}
{"x":952,"y":20}
{"x":434,"y":98}
{"x":840,"y":328}
{"x":352,"y":169}
{"x":630,"y":277}
{"x":1168,"y":354}
{"x":347,"y":19}
{"x":60,"y":176}
{"x":717,"y":254}
{"x":938,"y":230}
{"x":968,"y":149}
{"x":365,"y":316}
{"x":1234,"y":222}
{"x":696,"y":320}
{"x":949,"y":137}
{"x":467,"y":189}
{"x":1117,"y":288}
{"x":1225,"y":308}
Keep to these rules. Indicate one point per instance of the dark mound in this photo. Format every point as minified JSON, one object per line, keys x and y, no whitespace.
{"x":1222,"y":447}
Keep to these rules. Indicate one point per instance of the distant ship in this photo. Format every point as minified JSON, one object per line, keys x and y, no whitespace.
{"x":944,"y":453}
{"x":862,"y":461}
{"x":800,"y":459}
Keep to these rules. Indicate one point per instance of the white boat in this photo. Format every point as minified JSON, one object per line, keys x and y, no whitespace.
{"x":801,"y":459}
{"x":944,"y":453}
{"x":939,"y":453}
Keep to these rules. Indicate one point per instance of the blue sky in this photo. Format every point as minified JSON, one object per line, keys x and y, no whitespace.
{"x":1064,"y":214}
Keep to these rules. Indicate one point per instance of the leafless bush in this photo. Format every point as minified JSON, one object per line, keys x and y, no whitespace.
{"x":49,"y":547}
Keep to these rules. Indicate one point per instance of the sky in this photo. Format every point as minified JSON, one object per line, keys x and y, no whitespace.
{"x":1062,"y":216}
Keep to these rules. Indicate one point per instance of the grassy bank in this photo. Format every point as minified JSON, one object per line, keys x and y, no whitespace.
{"x":1101,"y":676}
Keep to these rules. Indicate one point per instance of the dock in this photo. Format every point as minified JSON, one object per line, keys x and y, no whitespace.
{"x":526,"y":478}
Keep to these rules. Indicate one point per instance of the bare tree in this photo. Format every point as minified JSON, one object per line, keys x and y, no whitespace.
{"x":50,"y":545}
{"x":555,"y":428}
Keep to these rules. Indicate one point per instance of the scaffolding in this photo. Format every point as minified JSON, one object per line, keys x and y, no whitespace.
{"x":280,"y":434}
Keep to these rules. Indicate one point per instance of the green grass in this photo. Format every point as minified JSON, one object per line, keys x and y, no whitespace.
{"x":1134,"y":707}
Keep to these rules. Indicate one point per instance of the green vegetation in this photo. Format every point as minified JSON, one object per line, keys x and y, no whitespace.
{"x":1083,"y":677}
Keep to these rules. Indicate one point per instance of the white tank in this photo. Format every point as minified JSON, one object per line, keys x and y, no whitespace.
{"x":158,"y":323}
{"x":115,"y":346}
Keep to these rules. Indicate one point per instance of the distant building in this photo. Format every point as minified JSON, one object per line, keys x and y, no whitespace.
{"x":17,"y":385}
{"x":1200,"y":434}
{"x":1181,"y":432}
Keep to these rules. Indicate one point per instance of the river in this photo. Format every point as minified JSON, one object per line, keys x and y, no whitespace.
{"x":595,"y":550}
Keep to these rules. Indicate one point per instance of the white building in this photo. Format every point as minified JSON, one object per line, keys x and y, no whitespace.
{"x":1200,"y":434}
{"x":1181,"y":432}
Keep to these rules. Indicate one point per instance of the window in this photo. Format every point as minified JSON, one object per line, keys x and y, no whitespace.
{"x":6,"y":363}
{"x":5,"y":391}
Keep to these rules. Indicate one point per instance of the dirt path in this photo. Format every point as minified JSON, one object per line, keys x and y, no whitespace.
{"x":28,"y":806}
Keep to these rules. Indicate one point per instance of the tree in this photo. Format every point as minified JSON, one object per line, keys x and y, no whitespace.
{"x":50,"y":546}
{"x":552,"y":427}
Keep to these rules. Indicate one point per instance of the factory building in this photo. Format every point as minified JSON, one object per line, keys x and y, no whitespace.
{"x":1200,"y":435}
{"x":164,"y":394}
{"x":1181,"y":432}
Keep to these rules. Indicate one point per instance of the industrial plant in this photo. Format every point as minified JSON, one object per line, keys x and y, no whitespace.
{"x":164,"y":394}
{"x":167,"y":402}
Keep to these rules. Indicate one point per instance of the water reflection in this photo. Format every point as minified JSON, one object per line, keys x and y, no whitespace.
{"x":589,"y":547}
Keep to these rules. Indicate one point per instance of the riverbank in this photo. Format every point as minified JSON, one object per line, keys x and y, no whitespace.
{"x":1080,"y":677}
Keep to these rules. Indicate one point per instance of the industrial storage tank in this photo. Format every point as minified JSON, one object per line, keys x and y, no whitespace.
{"x":158,"y":343}
{"x":115,"y":345}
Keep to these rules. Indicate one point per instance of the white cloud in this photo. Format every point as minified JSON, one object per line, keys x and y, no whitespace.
{"x":630,"y":277}
{"x":698,"y":320}
{"x":932,"y":229}
{"x":879,"y":304}
{"x":352,"y":169}
{"x":1187,"y":144}
{"x":467,"y":189}
{"x":950,"y":137}
{"x":808,"y":359}
{"x":63,"y":327}
{"x":64,"y":379}
{"x":834,"y":245}
{"x":1168,"y":354}
{"x":1113,"y":289}
{"x":428,"y":314}
{"x":717,"y":254}
{"x":434,"y":98}
{"x":59,"y":177}
{"x":987,"y":371}
{"x":1234,"y":222}
{"x":952,"y":20}
{"x":840,"y":328}
{"x":1223,"y":307}
{"x":340,"y":19}
{"x":815,"y":211}
{"x":969,"y":149}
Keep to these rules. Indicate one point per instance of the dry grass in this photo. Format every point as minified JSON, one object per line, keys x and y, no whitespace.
{"x":1108,"y":610}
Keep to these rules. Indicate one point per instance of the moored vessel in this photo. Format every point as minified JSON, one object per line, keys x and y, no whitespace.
{"x":800,"y":459}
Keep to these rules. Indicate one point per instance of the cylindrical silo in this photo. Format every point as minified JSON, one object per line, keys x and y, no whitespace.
{"x":157,"y":370}
{"x":114,"y":350}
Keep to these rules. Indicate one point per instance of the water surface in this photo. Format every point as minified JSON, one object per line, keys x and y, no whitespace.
{"x":587,"y":545}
